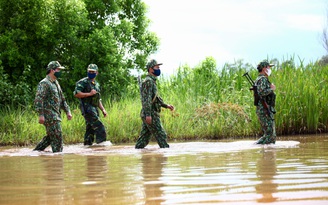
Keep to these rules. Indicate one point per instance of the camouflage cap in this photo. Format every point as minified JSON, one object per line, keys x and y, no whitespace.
{"x":92,"y":67}
{"x":264,"y":64}
{"x":53,"y":65}
{"x":152,"y":63}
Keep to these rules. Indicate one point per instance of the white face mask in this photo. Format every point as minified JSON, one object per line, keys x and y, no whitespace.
{"x":268,"y":72}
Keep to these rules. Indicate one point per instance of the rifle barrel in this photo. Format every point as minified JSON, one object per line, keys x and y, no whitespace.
{"x":249,"y":78}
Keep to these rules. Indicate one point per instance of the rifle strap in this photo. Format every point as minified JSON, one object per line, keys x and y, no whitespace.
{"x":59,"y":91}
{"x":154,"y":98}
{"x":257,"y":80}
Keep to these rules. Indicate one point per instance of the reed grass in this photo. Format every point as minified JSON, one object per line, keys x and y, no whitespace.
{"x":211,"y":103}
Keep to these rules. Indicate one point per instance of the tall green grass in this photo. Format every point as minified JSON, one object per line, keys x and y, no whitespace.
{"x":211,"y":103}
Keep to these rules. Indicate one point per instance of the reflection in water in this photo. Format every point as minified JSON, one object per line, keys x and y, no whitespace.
{"x":96,"y":172}
{"x":53,"y":187}
{"x":152,"y":165}
{"x":275,"y":174}
{"x":96,"y":168}
{"x":266,"y":170}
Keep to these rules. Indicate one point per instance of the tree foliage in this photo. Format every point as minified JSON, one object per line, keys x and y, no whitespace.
{"x":110,"y":33}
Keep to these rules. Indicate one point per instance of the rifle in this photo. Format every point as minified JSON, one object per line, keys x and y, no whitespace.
{"x":257,"y":97}
{"x":140,"y":84}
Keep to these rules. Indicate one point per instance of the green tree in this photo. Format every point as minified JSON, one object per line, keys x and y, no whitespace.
{"x":110,"y":33}
{"x":122,"y":25}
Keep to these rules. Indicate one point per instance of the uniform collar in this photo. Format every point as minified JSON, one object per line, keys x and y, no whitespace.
{"x":92,"y":81}
{"x":50,"y":79}
{"x":152,"y":77}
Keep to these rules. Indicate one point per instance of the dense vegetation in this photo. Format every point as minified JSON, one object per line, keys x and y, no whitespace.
{"x":211,"y":103}
{"x":110,"y":33}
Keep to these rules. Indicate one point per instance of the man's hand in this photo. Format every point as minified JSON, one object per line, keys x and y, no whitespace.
{"x":69,"y":116}
{"x":148,"y":120}
{"x":171,"y":107}
{"x":93,"y":92}
{"x":273,"y":87}
{"x":104,"y":112}
{"x":41,"y":119}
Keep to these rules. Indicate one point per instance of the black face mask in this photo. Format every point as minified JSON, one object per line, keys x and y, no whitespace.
{"x":57,"y":74}
{"x":157,"y":72}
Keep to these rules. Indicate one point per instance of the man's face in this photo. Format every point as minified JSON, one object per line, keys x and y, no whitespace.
{"x":268,"y":70}
{"x":53,"y":71}
{"x":155,"y":70}
{"x":92,"y":71}
{"x":156,"y":67}
{"x":92,"y":74}
{"x":56,"y":72}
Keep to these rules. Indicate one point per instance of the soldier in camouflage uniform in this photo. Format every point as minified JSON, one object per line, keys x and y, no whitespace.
{"x":88,"y":91}
{"x":48,"y":101}
{"x":265,"y":105}
{"x":151,"y":108}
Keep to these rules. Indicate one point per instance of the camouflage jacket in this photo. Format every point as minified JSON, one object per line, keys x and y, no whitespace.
{"x":49,"y":100}
{"x":85,"y":85}
{"x":151,"y":102}
{"x":264,"y":90}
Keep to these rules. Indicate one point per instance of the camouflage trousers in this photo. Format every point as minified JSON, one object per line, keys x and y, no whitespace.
{"x":54,"y":138}
{"x":156,"y":129}
{"x":267,"y":125}
{"x":94,"y":127}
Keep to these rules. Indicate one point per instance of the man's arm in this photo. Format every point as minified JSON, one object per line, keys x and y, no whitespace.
{"x":38,"y":101}
{"x":146,"y":98}
{"x":80,"y":94}
{"x":262,"y":87}
{"x":103,"y":110}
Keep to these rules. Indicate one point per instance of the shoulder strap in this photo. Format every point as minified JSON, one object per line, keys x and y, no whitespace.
{"x":147,"y":78}
{"x":258,"y":79}
{"x":90,"y":86}
{"x":59,"y":90}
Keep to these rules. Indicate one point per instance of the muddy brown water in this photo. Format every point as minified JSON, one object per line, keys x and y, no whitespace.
{"x":294,"y":171}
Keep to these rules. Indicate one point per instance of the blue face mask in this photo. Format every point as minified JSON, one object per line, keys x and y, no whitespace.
{"x":92,"y":75}
{"x":157,"y":72}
